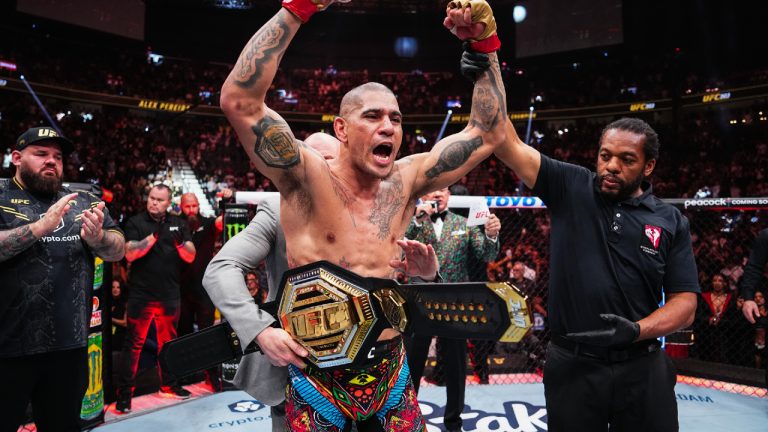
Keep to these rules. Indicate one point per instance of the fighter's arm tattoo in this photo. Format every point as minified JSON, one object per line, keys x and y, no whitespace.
{"x":14,"y":241}
{"x":275,"y":143}
{"x":111,"y":247}
{"x":388,"y":203}
{"x":489,"y":106}
{"x":267,"y":45}
{"x":454,"y":155}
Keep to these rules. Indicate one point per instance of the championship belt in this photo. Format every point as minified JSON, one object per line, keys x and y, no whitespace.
{"x":338,"y":315}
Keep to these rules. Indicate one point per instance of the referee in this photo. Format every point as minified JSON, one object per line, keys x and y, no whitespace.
{"x":616,"y":250}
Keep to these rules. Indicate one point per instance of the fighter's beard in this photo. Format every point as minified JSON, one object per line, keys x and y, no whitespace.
{"x":41,"y":184}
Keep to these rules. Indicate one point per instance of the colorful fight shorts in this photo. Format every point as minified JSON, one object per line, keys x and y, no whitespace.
{"x":319,"y":400}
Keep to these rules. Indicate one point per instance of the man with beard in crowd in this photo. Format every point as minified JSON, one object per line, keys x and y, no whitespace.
{"x":49,"y":237}
{"x":196,"y":306}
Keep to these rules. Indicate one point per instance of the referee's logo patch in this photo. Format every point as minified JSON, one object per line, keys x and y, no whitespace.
{"x":654,"y":235}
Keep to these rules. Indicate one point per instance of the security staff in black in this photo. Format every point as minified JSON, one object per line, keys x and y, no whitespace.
{"x":615,"y":251}
{"x":49,"y":238}
{"x":157,"y":244}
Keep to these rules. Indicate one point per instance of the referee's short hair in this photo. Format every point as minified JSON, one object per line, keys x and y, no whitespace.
{"x":637,"y":126}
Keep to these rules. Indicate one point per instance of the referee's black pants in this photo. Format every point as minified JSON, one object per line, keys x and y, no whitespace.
{"x":453,"y":353}
{"x":592,"y":395}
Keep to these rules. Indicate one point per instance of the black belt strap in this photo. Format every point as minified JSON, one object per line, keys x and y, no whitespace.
{"x":612,"y":355}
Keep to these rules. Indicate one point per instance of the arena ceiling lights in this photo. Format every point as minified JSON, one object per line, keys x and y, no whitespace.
{"x":231,"y":4}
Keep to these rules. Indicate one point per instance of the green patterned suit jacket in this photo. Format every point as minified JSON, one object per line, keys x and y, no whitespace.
{"x":456,"y":242}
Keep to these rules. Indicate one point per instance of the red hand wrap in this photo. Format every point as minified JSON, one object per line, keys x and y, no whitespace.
{"x":488,"y":45}
{"x":303,"y":9}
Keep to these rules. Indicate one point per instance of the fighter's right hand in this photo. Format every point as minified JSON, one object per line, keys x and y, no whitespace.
{"x":750,"y":310}
{"x":304,"y":9}
{"x":280,"y":348}
{"x":52,"y":216}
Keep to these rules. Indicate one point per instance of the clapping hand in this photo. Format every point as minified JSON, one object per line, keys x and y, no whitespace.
{"x":92,"y":221}
{"x":53,"y":216}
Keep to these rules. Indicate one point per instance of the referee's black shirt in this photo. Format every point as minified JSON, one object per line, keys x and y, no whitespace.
{"x":609,"y":257}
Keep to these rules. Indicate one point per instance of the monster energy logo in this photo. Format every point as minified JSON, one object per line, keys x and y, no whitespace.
{"x":233,"y":229}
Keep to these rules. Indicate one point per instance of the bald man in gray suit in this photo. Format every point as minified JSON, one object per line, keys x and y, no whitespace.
{"x":224,"y":280}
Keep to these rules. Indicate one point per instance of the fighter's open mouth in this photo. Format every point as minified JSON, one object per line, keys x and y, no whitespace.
{"x":383,"y":150}
{"x":382,"y":154}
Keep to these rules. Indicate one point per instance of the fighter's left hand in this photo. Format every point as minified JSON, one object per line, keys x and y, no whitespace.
{"x":92,"y":221}
{"x":420,"y":260}
{"x":493,"y":226}
{"x":619,"y":333}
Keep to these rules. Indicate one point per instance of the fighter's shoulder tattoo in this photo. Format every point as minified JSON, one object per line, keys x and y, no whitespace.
{"x":388,"y":203}
{"x":454,"y":155}
{"x":275,"y":143}
{"x":268,"y":44}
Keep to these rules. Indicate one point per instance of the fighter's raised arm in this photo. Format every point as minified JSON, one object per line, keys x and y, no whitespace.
{"x":265,"y":135}
{"x":456,"y":155}
{"x":522,"y":158}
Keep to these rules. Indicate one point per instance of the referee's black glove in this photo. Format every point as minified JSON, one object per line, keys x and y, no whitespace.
{"x":619,"y":333}
{"x":473,"y":63}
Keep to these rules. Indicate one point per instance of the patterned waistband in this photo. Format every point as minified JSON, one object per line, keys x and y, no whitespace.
{"x":356,"y":393}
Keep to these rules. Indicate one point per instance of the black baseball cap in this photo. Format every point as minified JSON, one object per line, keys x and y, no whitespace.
{"x":34,"y":135}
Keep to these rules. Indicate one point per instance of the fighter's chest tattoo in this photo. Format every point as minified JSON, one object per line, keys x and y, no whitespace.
{"x":344,"y":195}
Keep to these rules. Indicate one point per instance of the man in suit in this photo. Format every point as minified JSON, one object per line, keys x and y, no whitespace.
{"x":225,"y":282}
{"x":453,"y":242}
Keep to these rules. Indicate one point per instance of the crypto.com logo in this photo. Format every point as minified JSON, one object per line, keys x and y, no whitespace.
{"x":517,"y":417}
{"x":245,"y":406}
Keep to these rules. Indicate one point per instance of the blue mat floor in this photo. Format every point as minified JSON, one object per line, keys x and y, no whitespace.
{"x":508,"y":408}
